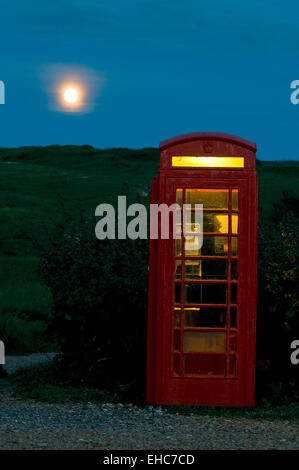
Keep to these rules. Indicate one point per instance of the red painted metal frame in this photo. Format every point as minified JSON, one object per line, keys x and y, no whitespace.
{"x":162,"y":386}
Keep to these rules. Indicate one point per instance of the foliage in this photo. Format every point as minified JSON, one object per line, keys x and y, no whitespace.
{"x":21,"y":335}
{"x":99,"y":290}
{"x":278,"y":295}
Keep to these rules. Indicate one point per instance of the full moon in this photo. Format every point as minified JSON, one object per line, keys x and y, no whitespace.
{"x":71,"y":95}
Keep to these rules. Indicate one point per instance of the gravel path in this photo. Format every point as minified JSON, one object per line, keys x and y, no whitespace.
{"x":13,"y":363}
{"x":30,"y":425}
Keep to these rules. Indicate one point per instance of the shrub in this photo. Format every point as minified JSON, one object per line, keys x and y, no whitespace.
{"x":278,"y":300}
{"x":21,"y":335}
{"x":99,"y":290}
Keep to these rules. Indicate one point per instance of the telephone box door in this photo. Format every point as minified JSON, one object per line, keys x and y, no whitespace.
{"x":208,"y":340}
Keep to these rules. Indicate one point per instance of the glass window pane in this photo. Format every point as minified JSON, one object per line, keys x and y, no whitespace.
{"x":234,"y":269}
{"x":195,"y":364}
{"x":233,"y":295}
{"x":233,"y":317}
{"x":193,"y":246}
{"x":204,"y":341}
{"x":214,"y":269}
{"x":211,"y":246}
{"x":179,"y":197}
{"x":177,"y":317}
{"x":193,"y":269}
{"x":177,"y":341}
{"x":207,"y":161}
{"x":192,"y":225}
{"x":205,"y":317}
{"x":215,"y":223}
{"x":178,"y":225}
{"x":234,"y":223}
{"x":234,"y":246}
{"x":232,"y":365}
{"x":178,"y":247}
{"x":177,"y":293}
{"x":212,"y":222}
{"x":235,"y":199}
{"x":205,"y":293}
{"x":210,"y":198}
{"x":205,"y":269}
{"x":232,"y":342}
{"x":178,"y":269}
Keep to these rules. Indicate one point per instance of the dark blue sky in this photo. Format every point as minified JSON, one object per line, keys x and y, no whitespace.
{"x":165,"y":67}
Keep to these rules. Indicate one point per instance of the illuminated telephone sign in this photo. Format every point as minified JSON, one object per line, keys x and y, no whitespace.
{"x":202,"y":291}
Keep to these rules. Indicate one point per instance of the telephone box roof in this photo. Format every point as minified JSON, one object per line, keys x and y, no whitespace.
{"x":180,"y":139}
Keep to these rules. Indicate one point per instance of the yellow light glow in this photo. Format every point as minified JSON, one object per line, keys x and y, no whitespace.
{"x":221,"y":224}
{"x":208,"y":162}
{"x":71,"y":95}
{"x":223,"y":221}
{"x":234,"y":224}
{"x":187,"y":308}
{"x":71,"y":88}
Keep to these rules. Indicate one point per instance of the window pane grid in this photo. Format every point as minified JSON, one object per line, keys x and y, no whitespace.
{"x":182,"y":290}
{"x":229,"y":277}
{"x":206,"y":281}
{"x":227,"y":355}
{"x":206,"y":257}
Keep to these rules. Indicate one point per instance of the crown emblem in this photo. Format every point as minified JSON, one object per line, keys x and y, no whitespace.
{"x":208,"y":147}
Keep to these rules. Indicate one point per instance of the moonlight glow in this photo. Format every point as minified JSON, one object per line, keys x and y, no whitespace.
{"x":71,"y":95}
{"x":71,"y":89}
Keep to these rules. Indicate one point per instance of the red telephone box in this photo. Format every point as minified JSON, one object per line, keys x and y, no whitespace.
{"x":202,"y":297}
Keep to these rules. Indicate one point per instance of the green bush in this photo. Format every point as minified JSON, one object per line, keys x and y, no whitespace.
{"x":278,"y":301}
{"x":21,"y":335}
{"x":99,"y":290}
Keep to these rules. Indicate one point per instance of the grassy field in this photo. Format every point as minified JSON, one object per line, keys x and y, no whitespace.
{"x":35,"y":182}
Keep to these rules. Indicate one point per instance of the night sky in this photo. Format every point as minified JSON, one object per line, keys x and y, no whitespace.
{"x":152,"y":70}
